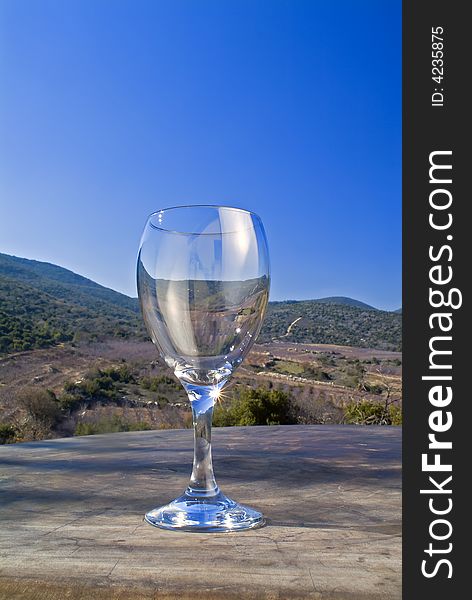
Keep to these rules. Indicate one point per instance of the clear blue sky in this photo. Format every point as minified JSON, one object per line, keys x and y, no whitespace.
{"x":111,"y":109}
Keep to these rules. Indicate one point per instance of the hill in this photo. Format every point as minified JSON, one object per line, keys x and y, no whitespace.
{"x":63,"y":284}
{"x":328,"y":322}
{"x":332,"y":300}
{"x":42,"y":304}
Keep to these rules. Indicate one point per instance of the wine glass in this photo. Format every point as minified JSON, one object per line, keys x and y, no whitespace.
{"x":203,"y":284}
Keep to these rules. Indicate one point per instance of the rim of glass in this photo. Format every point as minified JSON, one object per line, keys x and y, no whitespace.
{"x":176,"y":231}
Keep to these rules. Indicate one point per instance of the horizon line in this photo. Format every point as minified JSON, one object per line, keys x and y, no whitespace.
{"x":311,"y":299}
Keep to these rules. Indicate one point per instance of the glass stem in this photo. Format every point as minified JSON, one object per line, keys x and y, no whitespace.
{"x":202,"y":481}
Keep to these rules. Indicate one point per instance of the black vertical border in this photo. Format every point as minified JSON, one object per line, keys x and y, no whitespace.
{"x":427,"y":129}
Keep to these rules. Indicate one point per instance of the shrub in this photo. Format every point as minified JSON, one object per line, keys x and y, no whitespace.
{"x":121,"y":374}
{"x":70,"y":401}
{"x":364,"y":412}
{"x":316,"y":373}
{"x":40,"y":405}
{"x":98,"y":388}
{"x":140,"y":426}
{"x":396,"y":414}
{"x":154,"y":384}
{"x":162,"y":401}
{"x":373,"y":388}
{"x":7,"y":434}
{"x":42,"y":412}
{"x":223,"y":417}
{"x":99,"y":384}
{"x":325,"y":360}
{"x":256,"y":407}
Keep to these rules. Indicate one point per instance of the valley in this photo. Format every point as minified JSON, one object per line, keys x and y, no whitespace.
{"x":75,"y":359}
{"x":323,"y":383}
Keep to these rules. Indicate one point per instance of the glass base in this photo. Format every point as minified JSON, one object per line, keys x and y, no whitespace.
{"x":204,"y":514}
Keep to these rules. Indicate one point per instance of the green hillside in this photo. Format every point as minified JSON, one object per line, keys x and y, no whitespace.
{"x":63,"y":284}
{"x":43,"y":304}
{"x":331,"y":323}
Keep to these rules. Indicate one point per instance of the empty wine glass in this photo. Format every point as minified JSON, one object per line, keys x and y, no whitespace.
{"x":203,"y":284}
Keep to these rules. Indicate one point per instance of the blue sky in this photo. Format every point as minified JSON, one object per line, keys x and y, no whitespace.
{"x":112,"y":109}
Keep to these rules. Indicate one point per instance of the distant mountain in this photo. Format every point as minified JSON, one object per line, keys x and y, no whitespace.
{"x":43,"y":304}
{"x":332,"y":300}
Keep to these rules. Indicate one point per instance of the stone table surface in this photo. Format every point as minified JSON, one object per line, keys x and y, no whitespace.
{"x":71,"y":516}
